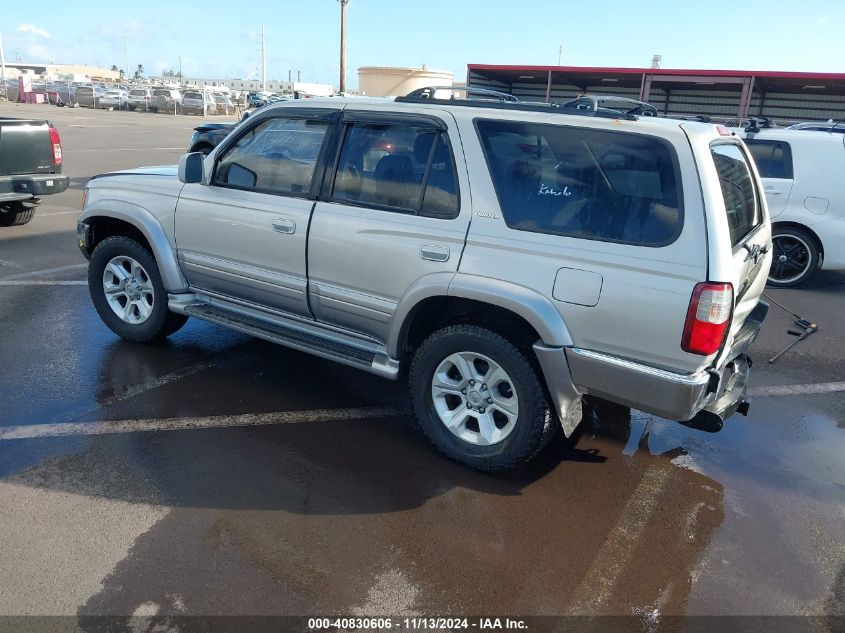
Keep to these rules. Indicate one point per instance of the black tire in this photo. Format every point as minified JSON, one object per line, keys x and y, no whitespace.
{"x":161,"y":322}
{"x":535,"y":423}
{"x":795,"y":258}
{"x":15,"y":214}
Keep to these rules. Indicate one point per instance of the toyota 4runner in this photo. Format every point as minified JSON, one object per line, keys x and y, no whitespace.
{"x":508,"y":258}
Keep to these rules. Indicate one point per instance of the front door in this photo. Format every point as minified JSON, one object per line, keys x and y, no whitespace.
{"x":244,"y":233}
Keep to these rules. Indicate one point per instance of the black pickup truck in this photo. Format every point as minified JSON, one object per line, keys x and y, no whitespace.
{"x":30,"y":167}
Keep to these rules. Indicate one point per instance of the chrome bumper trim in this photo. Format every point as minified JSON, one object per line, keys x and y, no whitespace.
{"x":657,"y":391}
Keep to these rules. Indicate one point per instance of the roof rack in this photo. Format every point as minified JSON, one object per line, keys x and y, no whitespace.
{"x":597,"y":102}
{"x":502,"y":100}
{"x":758,"y":123}
{"x":430,"y":92}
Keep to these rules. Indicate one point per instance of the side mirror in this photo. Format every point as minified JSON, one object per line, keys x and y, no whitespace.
{"x":190,"y":167}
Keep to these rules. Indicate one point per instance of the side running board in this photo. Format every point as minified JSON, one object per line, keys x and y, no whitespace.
{"x":312,"y":339}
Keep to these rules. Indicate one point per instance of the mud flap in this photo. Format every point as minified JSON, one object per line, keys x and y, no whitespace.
{"x":565,"y":398}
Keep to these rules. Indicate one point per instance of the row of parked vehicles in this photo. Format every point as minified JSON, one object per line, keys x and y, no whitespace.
{"x":156,"y":99}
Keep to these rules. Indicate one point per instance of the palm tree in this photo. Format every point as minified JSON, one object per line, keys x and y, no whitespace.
{"x":114,"y":68}
{"x":139,"y":72}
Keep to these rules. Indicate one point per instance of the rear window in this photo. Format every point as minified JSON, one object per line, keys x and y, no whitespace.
{"x":591,"y":184}
{"x":192,"y":95}
{"x":738,"y":190}
{"x":773,"y":158}
{"x":138,"y":93}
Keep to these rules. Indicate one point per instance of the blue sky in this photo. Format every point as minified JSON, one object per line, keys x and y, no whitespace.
{"x":220,"y":38}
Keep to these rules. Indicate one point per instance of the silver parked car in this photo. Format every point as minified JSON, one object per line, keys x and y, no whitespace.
{"x":198,"y":102}
{"x":166,"y":100}
{"x":508,"y":258}
{"x":116,"y":98}
{"x":140,"y":98}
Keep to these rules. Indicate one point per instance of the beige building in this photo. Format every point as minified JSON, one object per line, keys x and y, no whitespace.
{"x":53,"y":72}
{"x":381,"y":81}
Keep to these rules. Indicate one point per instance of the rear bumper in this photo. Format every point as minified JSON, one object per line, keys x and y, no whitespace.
{"x":27,"y":186}
{"x":702,"y":400}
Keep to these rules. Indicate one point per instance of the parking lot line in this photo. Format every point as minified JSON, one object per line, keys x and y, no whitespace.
{"x":41,"y":282}
{"x":600,"y":580}
{"x":31,"y":431}
{"x":798,"y":390}
{"x":44,"y":271}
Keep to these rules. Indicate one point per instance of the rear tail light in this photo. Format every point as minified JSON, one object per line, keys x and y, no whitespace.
{"x":56,"y":142}
{"x":708,"y":318}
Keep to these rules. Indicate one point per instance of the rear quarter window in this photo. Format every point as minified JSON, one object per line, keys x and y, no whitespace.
{"x":739,"y":192}
{"x":773,"y":158}
{"x":591,"y":184}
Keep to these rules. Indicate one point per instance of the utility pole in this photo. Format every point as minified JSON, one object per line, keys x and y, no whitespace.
{"x":3,"y":69}
{"x":263,"y":63}
{"x":342,"y":85}
{"x":560,"y":56}
{"x":125,"y":59}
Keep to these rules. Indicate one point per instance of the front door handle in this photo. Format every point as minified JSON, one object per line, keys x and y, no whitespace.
{"x":435,"y":252}
{"x":283,"y":225}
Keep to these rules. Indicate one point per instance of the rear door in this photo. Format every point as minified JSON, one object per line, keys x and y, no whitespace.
{"x":393,"y":210}
{"x":775,"y":165}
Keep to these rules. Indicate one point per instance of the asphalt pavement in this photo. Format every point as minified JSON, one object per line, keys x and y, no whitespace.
{"x":217,"y":474}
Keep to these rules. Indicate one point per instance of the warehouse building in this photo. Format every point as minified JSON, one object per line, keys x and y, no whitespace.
{"x":723,"y":95}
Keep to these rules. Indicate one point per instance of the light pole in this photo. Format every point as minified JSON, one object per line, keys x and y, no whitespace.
{"x":342,"y":86}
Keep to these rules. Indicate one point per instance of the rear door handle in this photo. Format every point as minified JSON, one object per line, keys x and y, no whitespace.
{"x":435,"y":252}
{"x":283,"y":225}
{"x":772,"y":191}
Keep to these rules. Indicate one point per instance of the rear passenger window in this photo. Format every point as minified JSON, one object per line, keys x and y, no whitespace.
{"x":738,"y":191}
{"x":773,"y":158}
{"x":592,"y":184}
{"x":276,"y":156}
{"x":407,"y":168}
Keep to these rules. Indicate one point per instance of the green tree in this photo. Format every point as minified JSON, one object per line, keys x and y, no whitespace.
{"x":139,"y":72}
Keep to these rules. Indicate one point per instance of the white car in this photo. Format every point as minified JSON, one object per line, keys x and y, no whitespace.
{"x":115,"y":98}
{"x":802,"y":174}
{"x":139,"y":99}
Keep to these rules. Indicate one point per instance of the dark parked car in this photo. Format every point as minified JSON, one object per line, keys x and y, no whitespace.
{"x":206,"y":136}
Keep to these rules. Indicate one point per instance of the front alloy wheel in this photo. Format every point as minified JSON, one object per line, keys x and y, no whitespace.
{"x":128,"y":290}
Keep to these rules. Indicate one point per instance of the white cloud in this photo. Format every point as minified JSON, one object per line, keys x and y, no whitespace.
{"x":31,"y":28}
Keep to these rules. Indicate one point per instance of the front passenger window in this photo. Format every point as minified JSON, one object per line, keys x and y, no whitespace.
{"x":277,"y":156}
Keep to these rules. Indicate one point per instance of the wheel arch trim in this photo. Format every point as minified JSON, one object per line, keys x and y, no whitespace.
{"x":150,"y":228}
{"x":533,"y":307}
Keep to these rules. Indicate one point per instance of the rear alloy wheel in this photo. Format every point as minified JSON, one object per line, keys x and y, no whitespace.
{"x":128,"y":293}
{"x":795,"y":258}
{"x":479,"y":399}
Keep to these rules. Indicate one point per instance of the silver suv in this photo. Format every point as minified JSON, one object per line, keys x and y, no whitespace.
{"x":508,"y":258}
